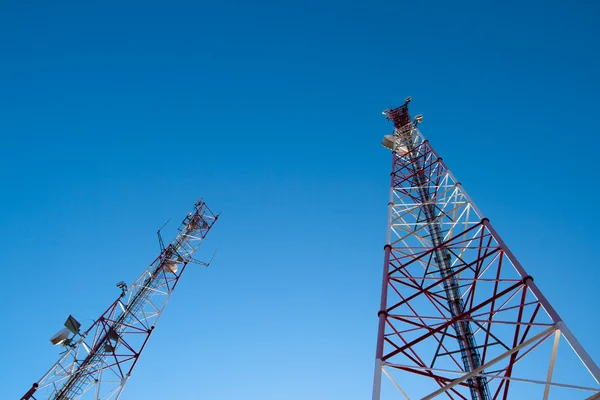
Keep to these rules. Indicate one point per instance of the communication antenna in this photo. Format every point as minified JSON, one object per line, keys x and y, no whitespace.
{"x":459,"y":316}
{"x":98,"y":362}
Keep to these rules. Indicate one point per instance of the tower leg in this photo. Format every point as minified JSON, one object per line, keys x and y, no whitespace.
{"x":382,"y":314}
{"x":377,"y":379}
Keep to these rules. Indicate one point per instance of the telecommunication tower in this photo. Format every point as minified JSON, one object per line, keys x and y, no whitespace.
{"x":459,"y":316}
{"x":97,"y":363}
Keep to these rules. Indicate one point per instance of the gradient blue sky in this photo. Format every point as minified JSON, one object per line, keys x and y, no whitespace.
{"x":116,"y":116}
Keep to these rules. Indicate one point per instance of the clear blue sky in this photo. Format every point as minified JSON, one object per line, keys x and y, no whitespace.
{"x":116,"y":116}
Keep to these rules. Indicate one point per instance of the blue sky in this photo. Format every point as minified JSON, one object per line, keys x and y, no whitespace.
{"x":115,"y":117}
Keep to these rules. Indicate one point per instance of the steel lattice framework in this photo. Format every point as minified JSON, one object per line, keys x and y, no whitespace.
{"x":97,"y":363}
{"x":459,"y":317}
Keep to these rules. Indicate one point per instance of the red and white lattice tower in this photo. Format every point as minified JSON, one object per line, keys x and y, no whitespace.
{"x":459,"y":317}
{"x":97,"y":363}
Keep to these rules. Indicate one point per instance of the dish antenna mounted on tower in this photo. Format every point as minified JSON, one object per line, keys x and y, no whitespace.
{"x":97,"y":363}
{"x":459,"y":316}
{"x":62,"y":336}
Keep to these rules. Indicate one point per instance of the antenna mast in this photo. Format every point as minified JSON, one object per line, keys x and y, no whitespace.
{"x":459,"y":316}
{"x":98,"y":362}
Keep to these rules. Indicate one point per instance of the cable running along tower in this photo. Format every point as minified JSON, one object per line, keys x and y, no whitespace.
{"x":97,"y":363}
{"x":459,"y":316}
